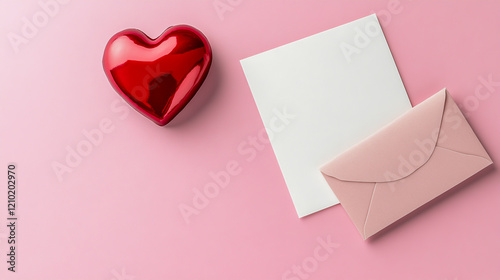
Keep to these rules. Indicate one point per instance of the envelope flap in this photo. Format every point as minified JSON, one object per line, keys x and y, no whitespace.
{"x":395,"y":151}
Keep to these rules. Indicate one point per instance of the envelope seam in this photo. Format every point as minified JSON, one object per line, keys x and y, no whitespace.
{"x":462,"y":153}
{"x":369,"y":208}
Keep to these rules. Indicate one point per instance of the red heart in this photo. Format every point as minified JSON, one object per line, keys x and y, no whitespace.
{"x":158,"y":77}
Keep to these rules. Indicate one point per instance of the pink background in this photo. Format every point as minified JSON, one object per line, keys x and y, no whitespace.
{"x":116,"y":215}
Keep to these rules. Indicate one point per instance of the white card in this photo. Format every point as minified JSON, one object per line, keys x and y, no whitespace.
{"x":319,"y":96}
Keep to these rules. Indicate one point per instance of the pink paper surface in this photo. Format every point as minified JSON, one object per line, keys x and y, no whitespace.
{"x":117,"y":214}
{"x":418,"y":157}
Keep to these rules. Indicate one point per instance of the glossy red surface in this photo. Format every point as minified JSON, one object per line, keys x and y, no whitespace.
{"x":158,"y":77}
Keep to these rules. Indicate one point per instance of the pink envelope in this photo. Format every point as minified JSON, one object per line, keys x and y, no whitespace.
{"x":409,"y":162}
